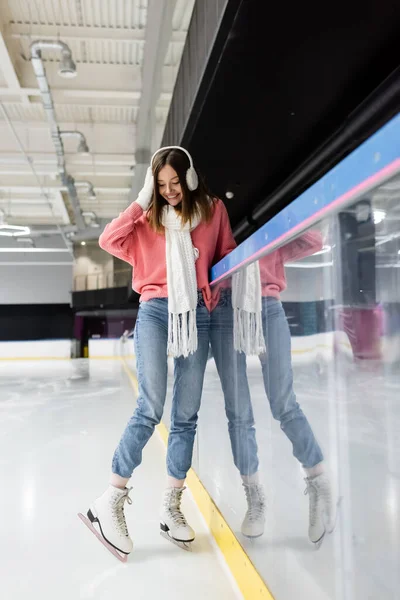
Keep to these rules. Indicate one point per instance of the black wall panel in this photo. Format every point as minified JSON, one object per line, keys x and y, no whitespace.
{"x":35,"y":322}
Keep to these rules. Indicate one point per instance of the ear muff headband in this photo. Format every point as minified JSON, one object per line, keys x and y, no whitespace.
{"x":192,"y":181}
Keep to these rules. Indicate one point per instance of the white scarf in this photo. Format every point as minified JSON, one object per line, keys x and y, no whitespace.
{"x":181,"y":282}
{"x":248,"y":336}
{"x":181,"y":257}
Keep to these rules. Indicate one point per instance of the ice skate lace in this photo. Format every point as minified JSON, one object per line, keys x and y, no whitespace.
{"x":311,"y":490}
{"x":317,"y":491}
{"x":172,"y":505}
{"x":118,"y":513}
{"x":256,"y":502}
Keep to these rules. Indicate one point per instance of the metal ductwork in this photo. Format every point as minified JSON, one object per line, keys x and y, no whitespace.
{"x":69,"y":183}
{"x":94,"y":219}
{"x":90,"y":233}
{"x":88,"y":186}
{"x":67,"y":69}
{"x":83,"y":148}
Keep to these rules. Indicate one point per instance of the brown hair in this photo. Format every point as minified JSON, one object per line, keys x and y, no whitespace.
{"x":198,"y":202}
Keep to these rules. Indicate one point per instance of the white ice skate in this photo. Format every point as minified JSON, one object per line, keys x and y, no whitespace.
{"x":173,"y":525}
{"x":254,"y":521}
{"x":322,"y":508}
{"x":107,"y":512}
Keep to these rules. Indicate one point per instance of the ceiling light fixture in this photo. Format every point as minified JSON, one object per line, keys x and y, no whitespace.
{"x":309,"y":265}
{"x":26,"y":240}
{"x":67,"y":67}
{"x":379,"y":216}
{"x":324,"y":250}
{"x":13,"y":230}
{"x":12,"y":250}
{"x":83,"y":148}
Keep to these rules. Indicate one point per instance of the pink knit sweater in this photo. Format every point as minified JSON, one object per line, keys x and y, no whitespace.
{"x":272,"y":266}
{"x":130,"y":238}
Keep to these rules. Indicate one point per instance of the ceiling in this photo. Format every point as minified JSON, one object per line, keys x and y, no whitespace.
{"x":127,"y":54}
{"x":279,"y":89}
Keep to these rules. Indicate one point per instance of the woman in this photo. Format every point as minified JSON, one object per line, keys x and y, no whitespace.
{"x":171,"y":235}
{"x":277,"y":373}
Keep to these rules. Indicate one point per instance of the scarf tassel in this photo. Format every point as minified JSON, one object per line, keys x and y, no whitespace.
{"x":182,"y":333}
{"x":248,"y":332}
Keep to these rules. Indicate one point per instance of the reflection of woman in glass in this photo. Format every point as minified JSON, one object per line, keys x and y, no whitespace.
{"x":278,"y":380}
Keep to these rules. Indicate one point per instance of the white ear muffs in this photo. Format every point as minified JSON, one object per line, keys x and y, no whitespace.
{"x":192,"y":180}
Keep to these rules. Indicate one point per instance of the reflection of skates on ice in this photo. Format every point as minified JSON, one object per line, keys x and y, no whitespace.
{"x":173,"y":525}
{"x":254,"y":521}
{"x":106,"y":520}
{"x":322,"y":508}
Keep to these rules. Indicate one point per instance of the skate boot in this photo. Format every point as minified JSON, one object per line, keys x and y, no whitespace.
{"x":107,"y":512}
{"x":173,"y":525}
{"x":253,"y":524}
{"x":322,"y":510}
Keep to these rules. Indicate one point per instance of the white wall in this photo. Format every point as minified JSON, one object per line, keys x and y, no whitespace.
{"x":35,"y":284}
{"x":93,"y":267}
{"x":307,"y":285}
{"x":388,"y":284}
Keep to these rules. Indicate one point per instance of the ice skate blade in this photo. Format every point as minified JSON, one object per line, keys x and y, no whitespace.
{"x":252,"y":537}
{"x":317,"y":545}
{"x":183,"y":545}
{"x":121,"y":557}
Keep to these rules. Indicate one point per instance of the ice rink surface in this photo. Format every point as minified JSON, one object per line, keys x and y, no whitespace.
{"x":59,"y":424}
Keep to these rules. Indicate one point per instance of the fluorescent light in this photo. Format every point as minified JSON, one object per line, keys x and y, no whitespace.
{"x":36,"y":264}
{"x":389,"y":266}
{"x":309,"y":265}
{"x":324,"y":250}
{"x":13,"y":230}
{"x":12,"y":250}
{"x":379,"y":216}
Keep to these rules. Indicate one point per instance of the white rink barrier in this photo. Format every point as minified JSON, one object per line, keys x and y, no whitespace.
{"x":109,"y":348}
{"x":304,"y":349}
{"x":322,"y":346}
{"x":34,"y":350}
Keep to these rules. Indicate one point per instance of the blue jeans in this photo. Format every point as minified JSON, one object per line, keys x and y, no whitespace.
{"x":278,"y":383}
{"x":231,"y":367}
{"x":151,"y":332}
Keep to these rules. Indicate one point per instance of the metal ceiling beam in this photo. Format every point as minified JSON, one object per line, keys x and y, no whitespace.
{"x":60,"y":94}
{"x":158,"y":36}
{"x":105,"y":76}
{"x":116,"y":159}
{"x":43,"y":191}
{"x":79,"y":33}
{"x":29,"y":189}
